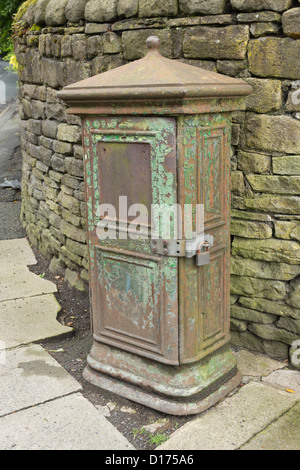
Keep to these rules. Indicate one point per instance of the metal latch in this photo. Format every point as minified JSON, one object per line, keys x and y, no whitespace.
{"x":199,"y":247}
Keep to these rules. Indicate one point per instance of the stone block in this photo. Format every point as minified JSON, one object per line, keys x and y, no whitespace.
{"x":71,"y":256}
{"x":72,"y":278}
{"x":257,"y":5}
{"x":271,"y":134}
{"x":72,"y":232}
{"x":70,"y":218}
{"x":293,"y":101}
{"x":96,"y":28}
{"x":249,"y":286}
{"x":261,"y":16}
{"x":104,"y":63}
{"x":74,"y":167}
{"x":112,"y":43}
{"x":276,"y":308}
{"x":263,"y":269}
{"x":67,"y":133}
{"x":251,"y":162}
{"x":233,"y":68}
{"x":289,"y":324}
{"x":281,"y":251}
{"x":274,"y":204}
{"x":291,"y":23}
{"x":270,"y":332}
{"x":127,"y":8}
{"x":286,"y":165}
{"x":94,"y":46}
{"x":275,"y":184}
{"x":274,"y":57}
{"x":40,"y":11}
{"x":294,"y":295}
{"x":237,"y":325}
{"x":254,"y":316}
{"x":77,"y":248}
{"x":156,"y":8}
{"x":267,"y":96}
{"x":264,"y":29}
{"x":53,"y":73}
{"x":71,"y":181}
{"x":287,"y":230}
{"x":202,"y":7}
{"x":229,"y":42}
{"x":77,"y":71}
{"x":55,"y":13}
{"x":247,"y":340}
{"x":134,"y":43}
{"x":69,"y":202}
{"x":237,"y":182}
{"x":58,"y":163}
{"x":75,"y":10}
{"x":250,"y":216}
{"x":79,"y":46}
{"x":250,"y":229}
{"x":49,"y":128}
{"x":66,"y":46}
{"x":101,"y":10}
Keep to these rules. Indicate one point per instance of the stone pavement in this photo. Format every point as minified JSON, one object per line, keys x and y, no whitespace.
{"x":264,"y":414}
{"x":42,"y":406}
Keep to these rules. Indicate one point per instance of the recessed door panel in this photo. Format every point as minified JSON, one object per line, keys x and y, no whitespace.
{"x":204,"y":178}
{"x":134,"y":292}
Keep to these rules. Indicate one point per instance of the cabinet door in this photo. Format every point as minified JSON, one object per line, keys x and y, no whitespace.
{"x":134,"y":292}
{"x":204,"y":178}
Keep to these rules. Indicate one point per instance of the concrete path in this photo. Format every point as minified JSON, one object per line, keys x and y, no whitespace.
{"x":264,"y":414}
{"x":10,"y":80}
{"x":41,"y":406}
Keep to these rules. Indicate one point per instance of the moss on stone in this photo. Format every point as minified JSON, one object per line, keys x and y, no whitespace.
{"x":23,"y":9}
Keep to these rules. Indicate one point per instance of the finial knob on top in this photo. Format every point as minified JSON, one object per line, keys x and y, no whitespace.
{"x":153,"y":43}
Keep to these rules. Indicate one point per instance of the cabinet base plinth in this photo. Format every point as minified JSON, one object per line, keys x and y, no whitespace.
{"x":170,"y":396}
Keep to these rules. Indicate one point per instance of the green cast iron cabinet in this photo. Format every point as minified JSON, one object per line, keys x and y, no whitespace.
{"x":158,"y":132}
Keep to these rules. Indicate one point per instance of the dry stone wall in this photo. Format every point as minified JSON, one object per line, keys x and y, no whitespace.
{"x":64,"y":41}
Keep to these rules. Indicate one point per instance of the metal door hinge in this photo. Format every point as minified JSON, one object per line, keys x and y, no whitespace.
{"x":199,"y":246}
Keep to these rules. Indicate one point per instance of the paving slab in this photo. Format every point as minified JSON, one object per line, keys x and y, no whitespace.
{"x":254,"y":365}
{"x":29,"y":320}
{"x":18,"y":282}
{"x":284,"y":379}
{"x":284,"y":434}
{"x":69,"y":423}
{"x":16,"y":252}
{"x":234,"y":421}
{"x":31,"y":376}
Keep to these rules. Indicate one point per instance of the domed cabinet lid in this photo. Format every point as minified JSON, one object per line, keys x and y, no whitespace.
{"x":153,"y":79}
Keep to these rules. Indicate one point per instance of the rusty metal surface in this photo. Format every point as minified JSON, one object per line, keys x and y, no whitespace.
{"x":184,"y":390}
{"x":178,"y":408}
{"x":158,"y":131}
{"x":134,"y":294}
{"x":204,"y":178}
{"x":125,"y":169}
{"x":157,"y":108}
